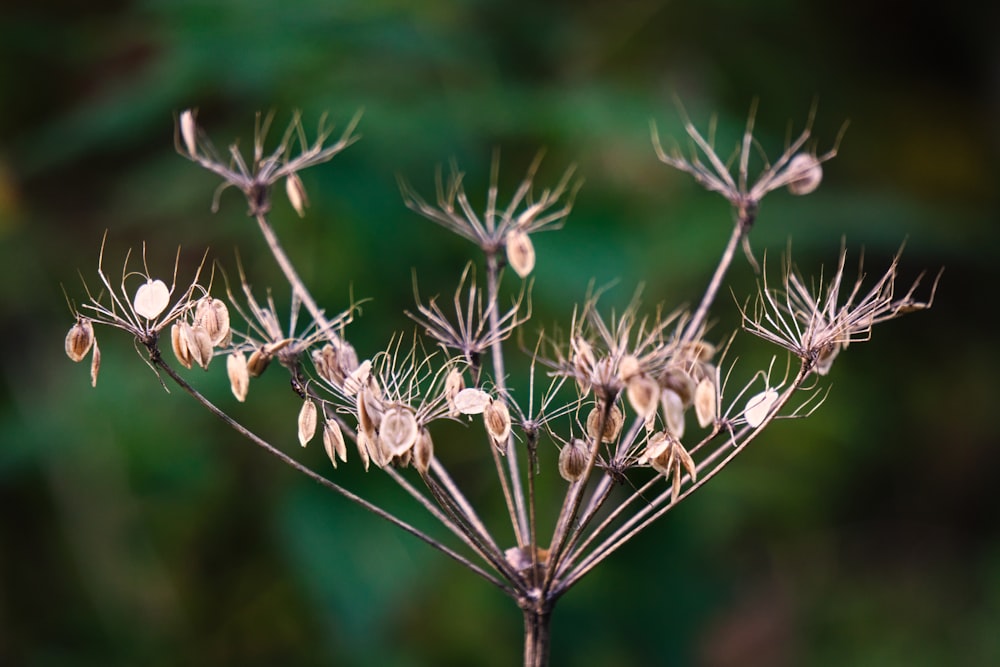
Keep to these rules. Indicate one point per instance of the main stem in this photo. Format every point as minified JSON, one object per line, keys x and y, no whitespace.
{"x":537,"y":623}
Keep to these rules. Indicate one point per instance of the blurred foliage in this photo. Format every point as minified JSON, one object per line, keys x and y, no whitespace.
{"x":136,"y":530}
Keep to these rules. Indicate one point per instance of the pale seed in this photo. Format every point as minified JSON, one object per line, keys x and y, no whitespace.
{"x":643,"y":394}
{"x":472,"y":401}
{"x":333,"y":441}
{"x":189,"y":132}
{"x":673,"y":412}
{"x":704,"y":402}
{"x":307,"y":422}
{"x":520,"y":252}
{"x":398,"y":430}
{"x":213,"y":315}
{"x":239,"y":375}
{"x":806,"y":173}
{"x":296,"y":194}
{"x":258,"y":362}
{"x":95,"y":364}
{"x":759,"y":406}
{"x":423,"y":452}
{"x":151,"y":299}
{"x":179,"y":343}
{"x":496,"y":416}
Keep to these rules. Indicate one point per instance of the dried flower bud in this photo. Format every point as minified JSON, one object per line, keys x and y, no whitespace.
{"x":453,"y":384}
{"x":151,"y":299}
{"x":806,"y":173}
{"x":704,"y":402}
{"x":612,"y":427}
{"x":520,"y":252}
{"x":307,"y":422}
{"x":95,"y":364}
{"x":258,"y":362}
{"x":199,"y":345}
{"x":213,"y":315}
{"x":643,"y":394}
{"x":472,"y":401}
{"x":189,"y":132}
{"x":573,"y":460}
{"x":496,"y":416}
{"x":179,"y":343}
{"x":398,"y":431}
{"x":296,"y":194}
{"x":239,"y":375}
{"x":423,"y":451}
{"x":333,"y":441}
{"x":759,"y":406}
{"x":80,"y":339}
{"x":673,"y":412}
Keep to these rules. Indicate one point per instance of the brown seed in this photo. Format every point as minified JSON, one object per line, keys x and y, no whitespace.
{"x":213,"y":315}
{"x":520,"y":252}
{"x":573,"y":460}
{"x":806,"y":173}
{"x":423,"y":452}
{"x":200,"y":345}
{"x":95,"y":364}
{"x":307,"y":422}
{"x":496,"y":416}
{"x":258,"y":362}
{"x":179,"y":343}
{"x":239,"y":376}
{"x":79,"y":339}
{"x":612,"y":427}
{"x":680,"y":382}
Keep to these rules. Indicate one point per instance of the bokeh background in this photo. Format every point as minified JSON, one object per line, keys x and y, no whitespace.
{"x":136,"y":530}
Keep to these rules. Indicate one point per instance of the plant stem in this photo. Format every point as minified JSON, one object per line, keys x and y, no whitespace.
{"x":537,"y":624}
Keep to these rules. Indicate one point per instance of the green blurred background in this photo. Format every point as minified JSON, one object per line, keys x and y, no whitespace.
{"x":136,"y":530}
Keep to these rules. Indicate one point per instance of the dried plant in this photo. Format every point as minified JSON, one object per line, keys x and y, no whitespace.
{"x":619,"y":388}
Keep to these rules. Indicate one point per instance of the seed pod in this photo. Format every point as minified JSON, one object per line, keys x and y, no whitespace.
{"x":453,"y":384}
{"x":398,"y":431}
{"x":612,"y":427}
{"x":358,"y":378}
{"x":362,"y":443}
{"x":199,"y":345}
{"x":573,"y":460}
{"x":80,"y":339}
{"x":472,"y":401}
{"x":95,"y":364}
{"x":333,"y":441}
{"x":824,"y":360}
{"x":628,"y":367}
{"x":258,"y":362}
{"x":239,"y":375}
{"x":296,"y":194}
{"x":704,"y":402}
{"x":179,"y":342}
{"x":759,"y":406}
{"x":520,"y":252}
{"x":213,"y":315}
{"x":307,"y":422}
{"x":189,"y":132}
{"x":496,"y":416}
{"x":805,"y":172}
{"x":673,"y":412}
{"x":643,"y":394}
{"x":680,"y":382}
{"x":151,"y":299}
{"x":423,"y":451}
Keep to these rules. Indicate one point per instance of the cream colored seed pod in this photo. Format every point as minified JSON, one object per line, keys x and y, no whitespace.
{"x":758,"y":407}
{"x":200,"y":345}
{"x":239,"y":376}
{"x":333,"y":441}
{"x":704,"y":402}
{"x":95,"y":364}
{"x":643,"y":394}
{"x":573,"y":460}
{"x":673,"y":412}
{"x":806,"y":172}
{"x":680,"y":382}
{"x":398,"y":431}
{"x":296,"y":194}
{"x":151,"y":299}
{"x":472,"y":401}
{"x":189,"y":132}
{"x":612,"y":426}
{"x":628,"y":367}
{"x":179,"y":343}
{"x":307,"y":422}
{"x":520,"y":252}
{"x":453,"y":384}
{"x":80,"y":339}
{"x":258,"y":362}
